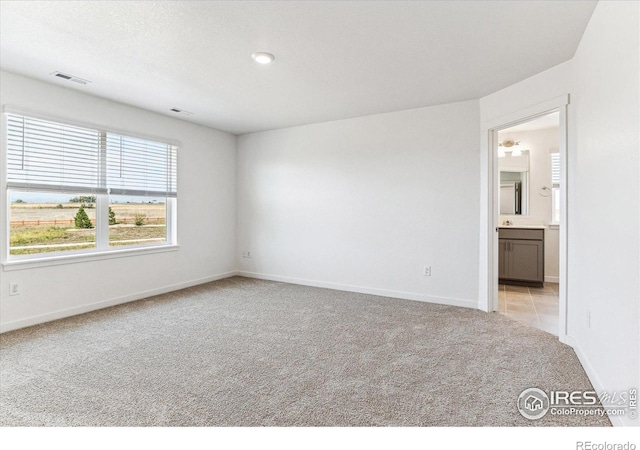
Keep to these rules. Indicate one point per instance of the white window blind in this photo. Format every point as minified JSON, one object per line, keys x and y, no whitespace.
{"x":46,"y":156}
{"x":50,"y":156}
{"x":555,"y":169}
{"x":140,"y":167}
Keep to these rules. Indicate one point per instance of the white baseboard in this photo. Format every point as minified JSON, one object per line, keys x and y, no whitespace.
{"x":363,"y":290}
{"x":61,"y":314}
{"x":591,"y":374}
{"x":42,"y":318}
{"x":551,"y":279}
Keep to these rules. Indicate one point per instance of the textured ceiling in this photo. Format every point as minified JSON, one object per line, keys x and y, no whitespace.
{"x":334,"y":60}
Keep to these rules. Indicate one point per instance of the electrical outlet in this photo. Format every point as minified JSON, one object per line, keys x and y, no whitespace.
{"x":427,"y":271}
{"x":14,"y":289}
{"x":246,"y":254}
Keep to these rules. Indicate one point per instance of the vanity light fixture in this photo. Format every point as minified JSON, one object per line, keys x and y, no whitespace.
{"x":262,"y":57}
{"x":509,"y":145}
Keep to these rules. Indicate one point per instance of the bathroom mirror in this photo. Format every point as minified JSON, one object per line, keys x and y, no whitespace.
{"x":514,"y":184}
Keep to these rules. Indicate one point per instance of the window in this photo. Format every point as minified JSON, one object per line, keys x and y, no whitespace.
{"x":555,"y":191}
{"x":84,"y":190}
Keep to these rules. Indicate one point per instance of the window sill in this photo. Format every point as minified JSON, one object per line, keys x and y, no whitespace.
{"x":85,"y":257}
{"x":554,"y":226}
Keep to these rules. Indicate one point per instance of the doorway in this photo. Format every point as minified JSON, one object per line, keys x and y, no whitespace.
{"x":529,"y":222}
{"x":490,"y":239}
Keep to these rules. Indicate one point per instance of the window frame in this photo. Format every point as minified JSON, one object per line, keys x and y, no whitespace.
{"x":102,"y":250}
{"x":555,"y":190}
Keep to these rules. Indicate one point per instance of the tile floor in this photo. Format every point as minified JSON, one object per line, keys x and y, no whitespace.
{"x":536,"y":307}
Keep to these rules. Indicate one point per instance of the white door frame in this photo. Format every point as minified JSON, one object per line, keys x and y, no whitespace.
{"x":488,"y":280}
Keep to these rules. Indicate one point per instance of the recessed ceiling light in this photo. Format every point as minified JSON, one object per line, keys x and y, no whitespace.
{"x":262,"y":57}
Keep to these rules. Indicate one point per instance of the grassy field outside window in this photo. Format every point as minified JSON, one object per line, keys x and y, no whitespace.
{"x":46,"y":227}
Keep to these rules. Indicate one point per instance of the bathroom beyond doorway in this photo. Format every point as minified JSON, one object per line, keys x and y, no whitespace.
{"x":533,"y":306}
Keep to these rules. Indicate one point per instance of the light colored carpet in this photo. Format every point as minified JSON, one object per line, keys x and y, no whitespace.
{"x":249,"y":352}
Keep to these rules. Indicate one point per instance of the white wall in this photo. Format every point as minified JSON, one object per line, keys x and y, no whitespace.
{"x":206,"y":213}
{"x":604,"y":257}
{"x":537,"y":89}
{"x":603,"y":230}
{"x":539,"y":143}
{"x":363,"y":204}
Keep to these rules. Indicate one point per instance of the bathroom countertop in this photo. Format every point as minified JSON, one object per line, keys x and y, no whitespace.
{"x":535,"y":227}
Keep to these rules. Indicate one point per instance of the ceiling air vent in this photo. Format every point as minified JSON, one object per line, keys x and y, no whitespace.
{"x":181,"y":111}
{"x":66,"y":76}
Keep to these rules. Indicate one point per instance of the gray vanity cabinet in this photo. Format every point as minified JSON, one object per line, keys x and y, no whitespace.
{"x":521,"y":256}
